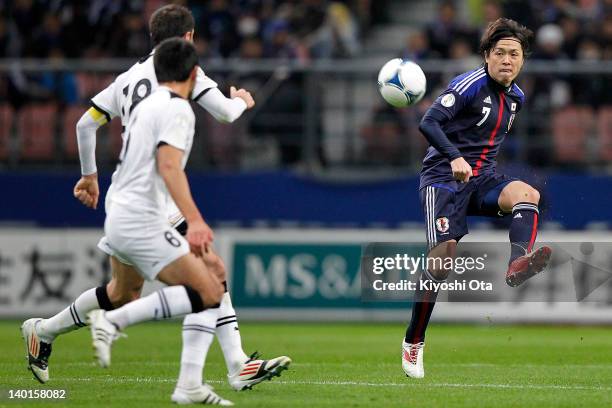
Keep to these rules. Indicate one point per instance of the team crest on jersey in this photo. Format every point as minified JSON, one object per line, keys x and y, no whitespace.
{"x":448,"y":100}
{"x":513,"y":107}
{"x":442,"y":224}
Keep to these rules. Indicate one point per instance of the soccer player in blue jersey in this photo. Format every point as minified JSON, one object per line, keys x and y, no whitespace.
{"x":465,"y":127}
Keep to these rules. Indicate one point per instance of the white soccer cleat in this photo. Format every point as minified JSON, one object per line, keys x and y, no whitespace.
{"x":199,"y":395}
{"x":412,"y":359}
{"x":38,"y":352}
{"x":254,"y":371}
{"x":103,"y":333}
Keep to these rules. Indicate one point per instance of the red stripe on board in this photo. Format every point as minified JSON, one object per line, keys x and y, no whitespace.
{"x":483,"y":155}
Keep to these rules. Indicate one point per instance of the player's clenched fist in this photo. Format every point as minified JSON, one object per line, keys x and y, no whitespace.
{"x":462,"y":171}
{"x":244,"y":95}
{"x":199,"y":236}
{"x":87,"y":191}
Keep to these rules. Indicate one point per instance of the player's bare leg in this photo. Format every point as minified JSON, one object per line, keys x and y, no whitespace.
{"x":522,"y":201}
{"x":39,"y":334}
{"x":413,"y":344}
{"x":191,"y":289}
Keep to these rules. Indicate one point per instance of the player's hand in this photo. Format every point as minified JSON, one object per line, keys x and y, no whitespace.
{"x":199,"y":236}
{"x":462,"y":171}
{"x":86,"y":190}
{"x":244,"y":95}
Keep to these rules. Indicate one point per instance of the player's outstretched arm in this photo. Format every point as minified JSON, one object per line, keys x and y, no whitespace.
{"x":226,"y":109}
{"x":86,"y":189}
{"x":199,"y":235}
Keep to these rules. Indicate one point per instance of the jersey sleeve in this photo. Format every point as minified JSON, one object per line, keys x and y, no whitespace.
{"x":450,"y":103}
{"x":203,"y":84}
{"x":176,"y":125}
{"x":107,"y":101}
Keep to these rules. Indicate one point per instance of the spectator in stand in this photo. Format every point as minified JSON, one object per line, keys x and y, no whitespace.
{"x":46,"y":37}
{"x":547,"y":92}
{"x":343,"y":30}
{"x":445,"y":28}
{"x":590,"y":89}
{"x":218,"y":26}
{"x":131,"y":40}
{"x":417,"y":47}
{"x":571,"y":35}
{"x":59,"y":85}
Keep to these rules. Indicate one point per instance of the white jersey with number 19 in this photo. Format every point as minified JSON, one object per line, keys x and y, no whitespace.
{"x":130,"y":88}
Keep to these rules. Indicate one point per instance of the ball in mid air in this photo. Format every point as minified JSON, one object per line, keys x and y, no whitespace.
{"x":401,"y":82}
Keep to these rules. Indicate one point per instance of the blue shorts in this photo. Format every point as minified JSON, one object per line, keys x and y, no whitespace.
{"x":446,"y":205}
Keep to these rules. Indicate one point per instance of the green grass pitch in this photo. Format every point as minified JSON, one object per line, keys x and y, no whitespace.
{"x":338,"y":365}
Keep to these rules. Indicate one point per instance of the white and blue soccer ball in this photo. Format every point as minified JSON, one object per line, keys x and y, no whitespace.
{"x":401,"y":82}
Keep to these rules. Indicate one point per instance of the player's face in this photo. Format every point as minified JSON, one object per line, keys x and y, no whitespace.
{"x":505,"y":60}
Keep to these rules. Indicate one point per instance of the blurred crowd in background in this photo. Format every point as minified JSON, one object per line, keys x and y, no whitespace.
{"x":224,"y":28}
{"x":306,"y":31}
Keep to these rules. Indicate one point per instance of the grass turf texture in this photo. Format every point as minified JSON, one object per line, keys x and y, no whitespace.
{"x":337,"y":365}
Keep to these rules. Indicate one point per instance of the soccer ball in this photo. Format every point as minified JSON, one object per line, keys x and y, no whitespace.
{"x":401,"y":82}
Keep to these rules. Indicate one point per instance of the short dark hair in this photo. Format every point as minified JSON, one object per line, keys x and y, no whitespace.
{"x":174,"y":60}
{"x":170,"y":21}
{"x":504,"y":28}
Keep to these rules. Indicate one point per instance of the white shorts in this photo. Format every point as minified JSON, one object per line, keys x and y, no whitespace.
{"x":148,"y":243}
{"x":105,"y":247}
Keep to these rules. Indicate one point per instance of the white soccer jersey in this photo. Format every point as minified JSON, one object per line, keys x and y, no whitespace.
{"x":122,"y":96}
{"x":162,"y":118}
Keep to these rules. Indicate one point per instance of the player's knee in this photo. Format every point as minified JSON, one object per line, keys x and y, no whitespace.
{"x":437,"y":262}
{"x":531,"y":195}
{"x":134,"y":293}
{"x":120,"y":296}
{"x":525,"y":194}
{"x":218,"y":270}
{"x":211,"y":295}
{"x":439,"y":273}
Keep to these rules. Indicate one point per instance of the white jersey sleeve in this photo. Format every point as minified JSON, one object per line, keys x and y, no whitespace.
{"x":222,"y":108}
{"x":202,"y":85}
{"x":107,"y":100}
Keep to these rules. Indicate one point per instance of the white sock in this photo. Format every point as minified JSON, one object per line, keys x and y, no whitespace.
{"x":198,"y":334}
{"x":229,"y":336}
{"x":171,"y":301}
{"x":71,"y":318}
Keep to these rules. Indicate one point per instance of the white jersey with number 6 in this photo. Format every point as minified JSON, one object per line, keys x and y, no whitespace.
{"x":162,"y":118}
{"x":136,"y":226}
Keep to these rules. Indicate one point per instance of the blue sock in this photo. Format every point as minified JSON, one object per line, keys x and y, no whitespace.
{"x":523,"y":229}
{"x":422,"y":307}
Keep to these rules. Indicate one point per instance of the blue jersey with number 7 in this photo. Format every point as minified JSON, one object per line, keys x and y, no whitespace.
{"x":477,"y":113}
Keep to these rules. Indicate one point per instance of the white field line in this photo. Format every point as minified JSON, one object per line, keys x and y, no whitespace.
{"x":357,"y":384}
{"x":345,"y":364}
